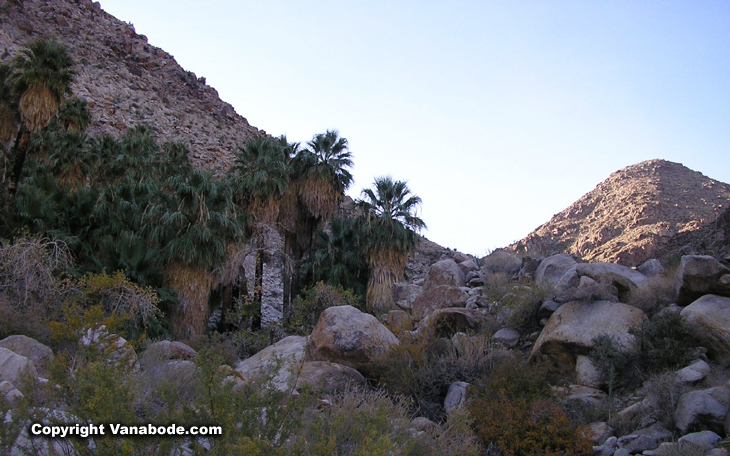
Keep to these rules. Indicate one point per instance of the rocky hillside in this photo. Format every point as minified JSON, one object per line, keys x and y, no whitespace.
{"x":631,"y":215}
{"x":125,"y":80}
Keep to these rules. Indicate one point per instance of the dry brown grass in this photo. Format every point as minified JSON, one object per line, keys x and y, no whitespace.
{"x":37,"y":107}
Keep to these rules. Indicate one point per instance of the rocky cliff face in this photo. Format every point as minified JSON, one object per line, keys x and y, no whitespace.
{"x":633,"y":214}
{"x":125,"y":80}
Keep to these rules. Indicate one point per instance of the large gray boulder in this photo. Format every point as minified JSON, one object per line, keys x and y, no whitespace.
{"x":165,"y":351}
{"x":708,"y":318}
{"x":455,"y":397}
{"x":328,"y":378}
{"x":623,"y":278}
{"x":451,"y":320}
{"x":439,"y":297}
{"x":552,"y":268}
{"x":344,"y":335}
{"x":502,"y":261}
{"x":15,"y":368}
{"x":703,"y":410}
{"x":279,"y":363}
{"x":571,"y":329}
{"x":444,"y":272}
{"x":41,"y":355}
{"x":699,"y":275}
{"x":405,"y":293}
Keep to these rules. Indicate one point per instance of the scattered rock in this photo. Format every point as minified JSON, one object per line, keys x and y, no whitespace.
{"x":166,"y":350}
{"x":586,"y":373}
{"x":11,"y":394}
{"x":651,"y":268}
{"x":624,"y":279}
{"x":707,"y":440}
{"x":636,"y":443}
{"x":446,"y":322}
{"x":502,"y":261}
{"x":422,"y":423}
{"x":694,"y":372}
{"x":598,"y":432}
{"x":397,"y":321}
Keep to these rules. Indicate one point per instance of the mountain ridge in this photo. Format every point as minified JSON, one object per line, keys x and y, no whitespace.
{"x":629,"y":216}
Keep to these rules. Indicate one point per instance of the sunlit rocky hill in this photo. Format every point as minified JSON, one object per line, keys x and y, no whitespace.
{"x":632,"y":215}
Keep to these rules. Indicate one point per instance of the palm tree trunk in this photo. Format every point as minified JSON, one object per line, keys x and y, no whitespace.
{"x":192,"y":286}
{"x":20,"y":150}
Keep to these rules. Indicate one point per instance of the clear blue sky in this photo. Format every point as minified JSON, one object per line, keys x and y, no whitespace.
{"x":499,"y":114}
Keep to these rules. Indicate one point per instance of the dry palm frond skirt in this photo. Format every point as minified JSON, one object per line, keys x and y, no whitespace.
{"x":264,"y":211}
{"x":37,"y":107}
{"x":386,"y":269}
{"x":320,"y":196}
{"x":8,"y":127}
{"x":288,"y":209}
{"x":192,"y":286}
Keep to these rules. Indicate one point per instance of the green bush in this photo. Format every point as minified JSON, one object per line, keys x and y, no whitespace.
{"x":522,"y":300}
{"x":665,"y":342}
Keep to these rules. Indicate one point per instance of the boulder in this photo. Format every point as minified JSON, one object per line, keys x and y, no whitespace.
{"x":11,"y":394}
{"x":552,"y":268}
{"x":598,"y":432}
{"x":115,"y":348}
{"x":702,"y":410}
{"x":636,"y":443}
{"x":607,"y":449}
{"x":405,"y":293}
{"x":444,"y":272}
{"x":15,"y":368}
{"x":528,"y":268}
{"x":651,"y":268}
{"x":422,"y":423}
{"x":41,"y":355}
{"x":582,"y":396}
{"x":694,"y":372}
{"x":166,"y":350}
{"x":657,"y":432}
{"x":502,"y":261}
{"x":347,"y":336}
{"x":439,"y":297}
{"x":397,"y":321}
{"x":624,"y":279}
{"x":547,"y":308}
{"x":455,"y":397}
{"x":706,"y":440}
{"x":328,"y":378}
{"x":586,"y":373}
{"x":469,"y":266}
{"x":446,"y":322}
{"x":507,"y":337}
{"x":699,"y":275}
{"x":708,"y":318}
{"x":571,"y":329}
{"x":280,"y":362}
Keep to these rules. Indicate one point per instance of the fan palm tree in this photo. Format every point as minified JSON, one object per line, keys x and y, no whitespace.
{"x":389,"y":223}
{"x":194,"y":225}
{"x":41,"y":78}
{"x":325,"y":177}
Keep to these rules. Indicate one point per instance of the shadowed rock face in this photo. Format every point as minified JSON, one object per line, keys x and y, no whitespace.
{"x":127,"y":81}
{"x":631,"y":215}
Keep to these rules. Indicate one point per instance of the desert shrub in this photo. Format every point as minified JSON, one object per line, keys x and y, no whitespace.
{"x":665,"y":342}
{"x":616,"y":363}
{"x":423,"y":367}
{"x":683,"y":449}
{"x":513,"y":408}
{"x":657,"y":294}
{"x":306,"y":309}
{"x":31,"y":270}
{"x":522,"y":300}
{"x":662,"y":392}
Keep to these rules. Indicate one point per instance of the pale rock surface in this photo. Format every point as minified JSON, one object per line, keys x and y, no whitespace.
{"x":439,"y":297}
{"x":455,"y":397}
{"x":344,"y":335}
{"x":695,"y":372}
{"x":508,"y":337}
{"x":444,"y":272}
{"x":15,"y":368}
{"x":405,"y":293}
{"x":280,"y":361}
{"x":708,"y":318}
{"x":552,"y":269}
{"x":700,"y":275}
{"x":702,"y":409}
{"x":572,"y":328}
{"x":328,"y":378}
{"x":40,"y":354}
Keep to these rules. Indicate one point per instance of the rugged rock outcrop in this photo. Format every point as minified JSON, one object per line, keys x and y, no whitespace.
{"x":39,"y":354}
{"x":279,"y":363}
{"x":709,"y":319}
{"x":632,"y":215}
